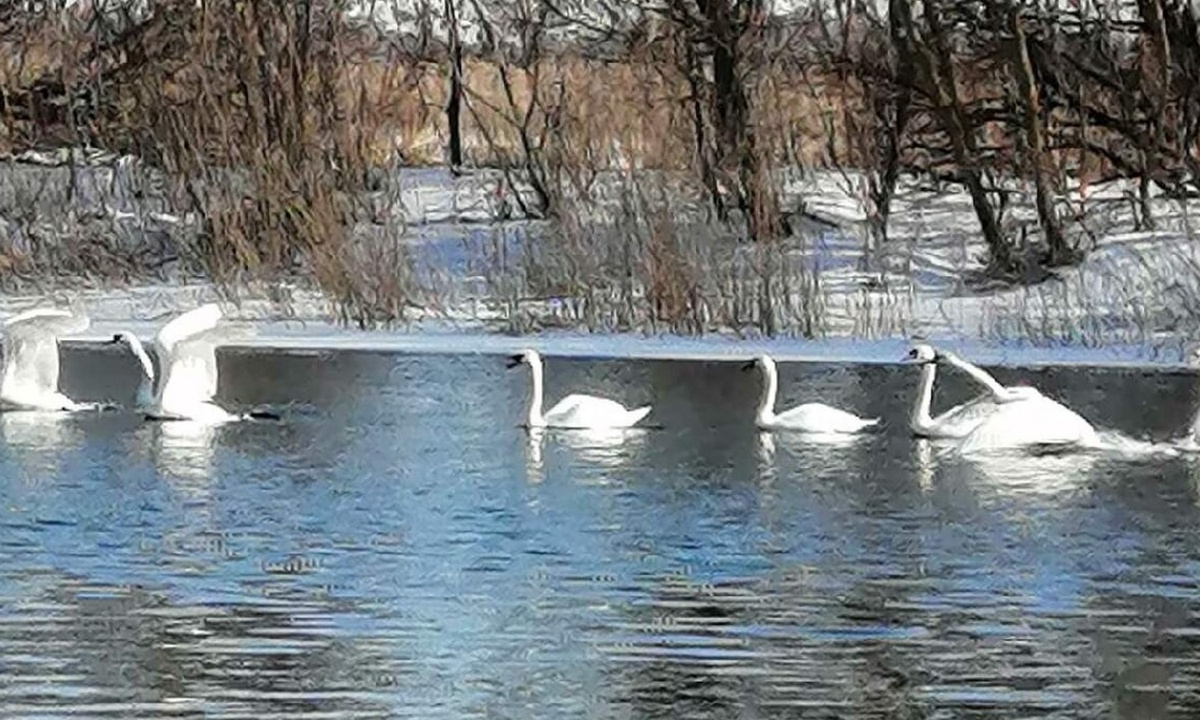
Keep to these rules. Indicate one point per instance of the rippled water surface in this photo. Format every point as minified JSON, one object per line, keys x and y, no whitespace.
{"x":398,"y":547}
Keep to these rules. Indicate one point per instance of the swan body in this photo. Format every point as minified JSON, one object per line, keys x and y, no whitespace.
{"x":31,"y":363}
{"x":575,"y":411}
{"x":807,"y":417}
{"x":1020,"y":416}
{"x":186,"y":348}
{"x":1033,"y":422}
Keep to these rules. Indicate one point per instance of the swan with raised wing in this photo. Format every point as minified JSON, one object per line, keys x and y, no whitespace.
{"x":187,"y":382}
{"x":575,"y":411}
{"x":1022,"y":418}
{"x":31,"y":362}
{"x":810,"y":417}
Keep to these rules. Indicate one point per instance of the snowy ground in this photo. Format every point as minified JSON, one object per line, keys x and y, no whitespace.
{"x":1135,"y":299}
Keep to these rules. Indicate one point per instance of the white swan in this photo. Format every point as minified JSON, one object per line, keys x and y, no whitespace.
{"x":144,"y":400}
{"x":31,"y":363}
{"x":808,"y":417}
{"x":958,"y":421}
{"x":1023,"y":417}
{"x":184,"y":390}
{"x":574,"y":411}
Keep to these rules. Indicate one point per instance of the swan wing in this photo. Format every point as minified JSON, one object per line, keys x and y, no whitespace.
{"x":51,"y":322}
{"x":187,"y":347}
{"x":190,"y":372}
{"x":1035,"y":421}
{"x":31,"y":362}
{"x":582,"y":411}
{"x":188,"y":325}
{"x":821,"y":418}
{"x":959,"y":421}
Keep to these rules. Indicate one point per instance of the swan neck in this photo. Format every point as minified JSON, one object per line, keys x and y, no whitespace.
{"x":770,"y":389}
{"x":921,"y":419}
{"x":145,"y":391}
{"x":998,"y":391}
{"x":138,"y":350}
{"x":535,"y":418}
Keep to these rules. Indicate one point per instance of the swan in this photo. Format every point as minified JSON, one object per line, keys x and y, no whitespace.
{"x":958,"y":421}
{"x":184,"y":390}
{"x":808,"y":417}
{"x":31,"y":362}
{"x":574,"y":411}
{"x":1022,"y":417}
{"x":144,"y":399}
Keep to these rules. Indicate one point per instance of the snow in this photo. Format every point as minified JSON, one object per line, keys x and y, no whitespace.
{"x":1136,"y":298}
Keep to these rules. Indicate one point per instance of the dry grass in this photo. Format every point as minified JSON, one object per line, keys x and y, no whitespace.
{"x":611,"y":114}
{"x":650,"y":270}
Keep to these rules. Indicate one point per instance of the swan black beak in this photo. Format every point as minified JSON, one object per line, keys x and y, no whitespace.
{"x":513,"y":361}
{"x":116,"y":339}
{"x":748,"y":366}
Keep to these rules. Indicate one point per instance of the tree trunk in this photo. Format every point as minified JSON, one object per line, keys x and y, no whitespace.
{"x":704,"y":159}
{"x":736,"y":149}
{"x":1059,"y":252}
{"x":454,"y":104}
{"x":935,"y":62}
{"x":891,"y":108}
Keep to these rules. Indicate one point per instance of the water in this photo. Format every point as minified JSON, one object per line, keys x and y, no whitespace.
{"x":398,"y":548}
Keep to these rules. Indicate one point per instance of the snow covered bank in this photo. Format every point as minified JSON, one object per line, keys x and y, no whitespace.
{"x":1137,"y":294}
{"x":143,"y":310}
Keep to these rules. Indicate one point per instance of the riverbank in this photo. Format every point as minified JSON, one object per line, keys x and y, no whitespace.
{"x":1135,"y":298}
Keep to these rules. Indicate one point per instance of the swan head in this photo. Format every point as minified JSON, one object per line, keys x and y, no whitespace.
{"x":125,"y":338}
{"x":762,"y":361}
{"x":923,"y":353}
{"x":525,"y":356}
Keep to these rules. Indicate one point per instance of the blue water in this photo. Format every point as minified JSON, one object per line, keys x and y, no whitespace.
{"x":398,"y":547}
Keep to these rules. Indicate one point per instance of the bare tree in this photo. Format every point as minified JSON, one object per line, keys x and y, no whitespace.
{"x":1033,"y":141}
{"x":454,"y":101}
{"x":928,"y":43}
{"x":725,"y":51}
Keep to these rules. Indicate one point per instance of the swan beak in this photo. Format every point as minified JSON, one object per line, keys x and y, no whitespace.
{"x":116,"y":339}
{"x":748,"y":366}
{"x":513,"y":361}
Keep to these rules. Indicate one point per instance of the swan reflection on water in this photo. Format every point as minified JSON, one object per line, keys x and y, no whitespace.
{"x":38,"y":429}
{"x":923,"y":463}
{"x":535,"y":465}
{"x":35,"y":438}
{"x":766,"y":455}
{"x":608,"y":448}
{"x":1021,"y":472}
{"x":183,"y":448}
{"x":812,"y":454}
